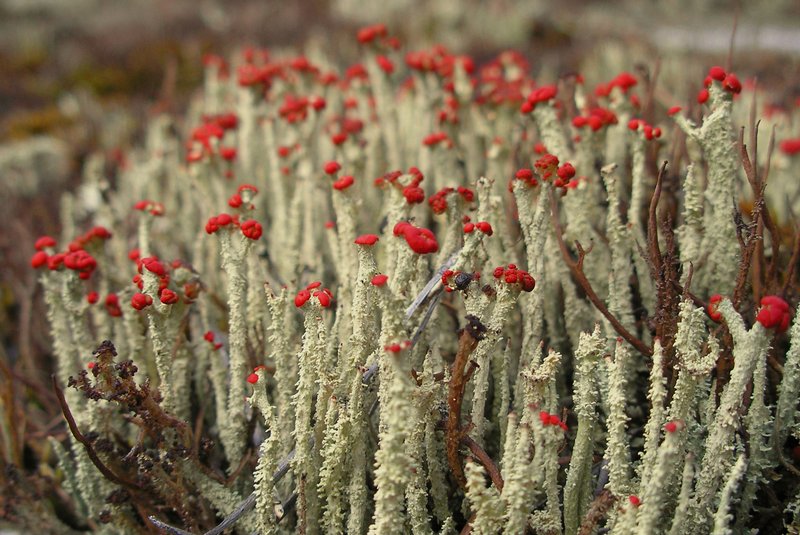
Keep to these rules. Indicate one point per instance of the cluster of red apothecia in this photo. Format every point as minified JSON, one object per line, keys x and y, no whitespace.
{"x":340,"y":183}
{"x":206,"y":139}
{"x":250,"y":228}
{"x":323,"y":295}
{"x":419,"y":239}
{"x":545,"y":167}
{"x":76,"y":258}
{"x":650,"y":133}
{"x":548,"y":419}
{"x":436,"y":139}
{"x":397,"y":347}
{"x":412,"y":192}
{"x":482,"y":226}
{"x":438,"y":201}
{"x":513,"y":275}
{"x":595,"y":119}
{"x":253,"y":377}
{"x":774,"y":313}
{"x":728,"y":81}
{"x":79,"y":260}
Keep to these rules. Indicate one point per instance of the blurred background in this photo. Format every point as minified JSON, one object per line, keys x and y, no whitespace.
{"x":82,"y":76}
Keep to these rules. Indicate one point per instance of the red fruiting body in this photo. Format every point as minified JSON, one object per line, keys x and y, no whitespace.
{"x":774,"y":313}
{"x":102,"y":233}
{"x":209,"y":337}
{"x":44,"y":241}
{"x":54,"y":262}
{"x":314,"y":285}
{"x":379,"y":280}
{"x":168,"y":297}
{"x":338,"y":139}
{"x":385,"y":64}
{"x":80,"y":261}
{"x":790,"y":147}
{"x":485,"y":227}
{"x":367,"y":239}
{"x":702,"y":96}
{"x":435,"y":138}
{"x":252,"y":378}
{"x":421,"y":240}
{"x":467,"y":194}
{"x":152,"y":265}
{"x":413,"y":194}
{"x":548,"y":419}
{"x":512,"y":275}
{"x":670,"y":427}
{"x":712,"y":311}
{"x":323,"y":297}
{"x":318,"y":103}
{"x":732,"y":84}
{"x":301,"y":298}
{"x":598,"y":117}
{"x":191,"y":290}
{"x":252,"y":229}
{"x":112,"y":306}
{"x":392,"y":348}
{"x":92,"y":297}
{"x":227,"y":153}
{"x":235,"y":201}
{"x":566,"y":171}
{"x":154,"y":208}
{"x":139,"y":301}
{"x":343,"y":183}
{"x":546,"y":164}
{"x":400,"y":228}
{"x":673,"y":110}
{"x":525,"y":175}
{"x":438,"y":201}
{"x":716,"y":73}
{"x":541,"y":94}
{"x":469,"y":227}
{"x":332,"y":168}
{"x":247,"y":187}
{"x":370,"y":33}
{"x":635,"y":501}
{"x":38,"y":259}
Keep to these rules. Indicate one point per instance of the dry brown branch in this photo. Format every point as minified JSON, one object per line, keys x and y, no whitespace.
{"x":576,"y":267}
{"x":73,"y":427}
{"x":467,"y":342}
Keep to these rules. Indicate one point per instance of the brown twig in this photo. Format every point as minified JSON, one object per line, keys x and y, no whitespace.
{"x":597,"y":511}
{"x":487,"y":462}
{"x":760,"y":219}
{"x":576,"y":267}
{"x":467,"y":342}
{"x":652,"y":222}
{"x":73,"y":427}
